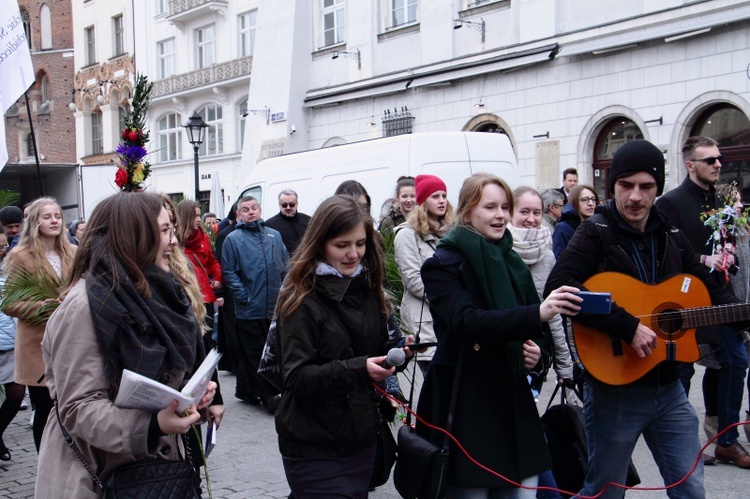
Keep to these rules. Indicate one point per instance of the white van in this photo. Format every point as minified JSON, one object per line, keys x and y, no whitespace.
{"x":377,"y":164}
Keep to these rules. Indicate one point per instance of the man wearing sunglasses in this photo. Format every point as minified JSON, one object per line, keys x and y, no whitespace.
{"x":683,"y":205}
{"x":289,"y":222}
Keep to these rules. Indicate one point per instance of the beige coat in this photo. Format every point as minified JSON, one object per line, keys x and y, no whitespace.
{"x":411,"y":251}
{"x":29,"y":365}
{"x":106,"y":435}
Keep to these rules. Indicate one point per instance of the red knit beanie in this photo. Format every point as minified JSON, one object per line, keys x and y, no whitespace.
{"x":426,"y":185}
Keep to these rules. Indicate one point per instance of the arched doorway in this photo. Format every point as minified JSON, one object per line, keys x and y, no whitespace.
{"x":614,"y":134}
{"x":730,"y":127}
{"x":489,"y":123}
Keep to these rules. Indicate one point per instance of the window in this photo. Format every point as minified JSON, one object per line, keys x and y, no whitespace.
{"x":333,"y":21}
{"x":730,"y":127}
{"x":97,"y":138}
{"x":170,"y":137}
{"x":90,"y":46}
{"x":45,"y":20}
{"x":614,"y":135}
{"x":44,"y":87}
{"x":29,"y":144}
{"x":204,"y":42}
{"x":162,"y":7}
{"x":165,"y":53}
{"x":122,"y":112}
{"x":242,"y":113}
{"x":247,"y":33}
{"x":119,"y":29}
{"x":213,"y":143}
{"x":26,"y":26}
{"x":403,"y":12}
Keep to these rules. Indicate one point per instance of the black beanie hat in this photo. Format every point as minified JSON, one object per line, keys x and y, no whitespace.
{"x":637,"y":156}
{"x":11,"y":215}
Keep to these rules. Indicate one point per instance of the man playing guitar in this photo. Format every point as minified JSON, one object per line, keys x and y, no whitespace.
{"x":628,"y":235}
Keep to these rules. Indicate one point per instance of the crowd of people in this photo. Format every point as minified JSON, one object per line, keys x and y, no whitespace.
{"x":494,"y":283}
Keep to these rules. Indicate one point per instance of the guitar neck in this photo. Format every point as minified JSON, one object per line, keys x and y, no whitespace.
{"x":719,"y":314}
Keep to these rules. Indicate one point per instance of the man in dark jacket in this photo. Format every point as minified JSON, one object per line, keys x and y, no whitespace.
{"x":723,"y":388}
{"x":629,"y":235}
{"x":253,"y":264}
{"x":570,"y":180}
{"x":289,"y":222}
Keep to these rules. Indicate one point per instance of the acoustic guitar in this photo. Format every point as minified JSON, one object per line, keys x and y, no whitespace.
{"x":673,"y":309}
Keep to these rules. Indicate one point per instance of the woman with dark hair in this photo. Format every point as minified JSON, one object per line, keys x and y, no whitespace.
{"x":357,"y":191}
{"x":582,"y":202}
{"x":43,"y":250}
{"x":488,"y":318}
{"x":332,"y":331}
{"x":194,"y":241}
{"x":123,"y":310}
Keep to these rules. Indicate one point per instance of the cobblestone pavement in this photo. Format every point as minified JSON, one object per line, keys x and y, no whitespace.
{"x":246,"y":462}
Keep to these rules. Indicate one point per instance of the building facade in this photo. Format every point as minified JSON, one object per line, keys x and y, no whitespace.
{"x":49,"y":32}
{"x":199,"y":54}
{"x":568,"y":82}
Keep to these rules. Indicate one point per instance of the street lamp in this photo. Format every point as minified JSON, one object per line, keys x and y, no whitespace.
{"x":195,"y":128}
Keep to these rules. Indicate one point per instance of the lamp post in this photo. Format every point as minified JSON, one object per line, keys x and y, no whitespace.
{"x":195,"y":128}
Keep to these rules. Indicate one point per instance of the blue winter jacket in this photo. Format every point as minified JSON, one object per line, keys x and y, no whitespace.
{"x":253,"y":264}
{"x":565,"y":228}
{"x":7,"y":326}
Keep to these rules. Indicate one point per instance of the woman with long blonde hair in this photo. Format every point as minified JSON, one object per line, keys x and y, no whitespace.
{"x":43,"y":251}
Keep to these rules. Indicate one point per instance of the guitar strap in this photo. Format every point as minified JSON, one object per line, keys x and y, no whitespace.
{"x":605,"y":235}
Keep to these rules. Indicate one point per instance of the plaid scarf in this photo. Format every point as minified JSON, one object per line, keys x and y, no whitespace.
{"x":149,"y":336}
{"x":531,"y":244}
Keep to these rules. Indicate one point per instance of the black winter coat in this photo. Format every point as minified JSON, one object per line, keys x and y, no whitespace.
{"x":496,"y":419}
{"x":328,"y":408}
{"x":585,"y":252}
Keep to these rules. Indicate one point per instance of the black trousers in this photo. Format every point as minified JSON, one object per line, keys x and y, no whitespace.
{"x":251,"y":338}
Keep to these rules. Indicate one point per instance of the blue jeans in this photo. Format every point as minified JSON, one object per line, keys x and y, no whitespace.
{"x":732,"y":356}
{"x":615,"y":419}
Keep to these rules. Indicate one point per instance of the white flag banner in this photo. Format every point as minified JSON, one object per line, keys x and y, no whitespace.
{"x":16,"y":69}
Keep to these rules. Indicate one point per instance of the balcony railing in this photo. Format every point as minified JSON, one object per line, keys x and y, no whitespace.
{"x":184,"y":10}
{"x":201,"y":77}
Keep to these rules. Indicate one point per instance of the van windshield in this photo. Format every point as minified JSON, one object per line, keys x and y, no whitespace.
{"x":255,"y":191}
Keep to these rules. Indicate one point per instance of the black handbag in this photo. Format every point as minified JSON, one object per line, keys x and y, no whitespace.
{"x":146,"y":478}
{"x":151,"y":478}
{"x":270,"y":360}
{"x":385,"y":455}
{"x":422,"y":467}
{"x":563,"y":425}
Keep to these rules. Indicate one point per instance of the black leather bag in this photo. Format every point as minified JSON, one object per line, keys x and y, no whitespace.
{"x":385,"y":455}
{"x":421,"y":467}
{"x":151,"y":479}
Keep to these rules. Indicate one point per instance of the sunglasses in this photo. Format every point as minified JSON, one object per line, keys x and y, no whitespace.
{"x":290,"y":205}
{"x":709,"y":161}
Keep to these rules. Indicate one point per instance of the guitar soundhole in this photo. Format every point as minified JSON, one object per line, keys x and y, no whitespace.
{"x":668,"y":321}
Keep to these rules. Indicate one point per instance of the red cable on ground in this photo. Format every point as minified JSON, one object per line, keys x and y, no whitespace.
{"x":573,"y":494}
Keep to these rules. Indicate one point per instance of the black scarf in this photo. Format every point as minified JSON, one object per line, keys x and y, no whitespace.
{"x":149,"y":336}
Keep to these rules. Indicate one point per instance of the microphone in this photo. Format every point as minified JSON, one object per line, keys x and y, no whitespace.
{"x":395,"y":358}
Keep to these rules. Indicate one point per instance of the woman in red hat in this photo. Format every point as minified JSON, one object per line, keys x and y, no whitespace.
{"x":415,"y":242}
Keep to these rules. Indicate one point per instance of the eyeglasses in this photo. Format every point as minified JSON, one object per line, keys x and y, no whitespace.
{"x":587,"y":200}
{"x":709,"y":161}
{"x":291,"y":205}
{"x":169,"y":231}
{"x":4,"y":247}
{"x":558,"y":205}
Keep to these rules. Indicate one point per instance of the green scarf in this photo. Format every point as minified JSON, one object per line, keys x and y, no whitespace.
{"x":503,"y":277}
